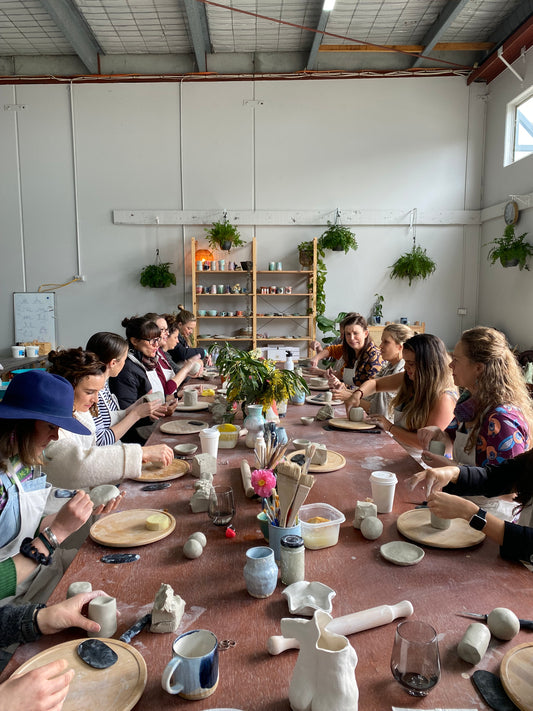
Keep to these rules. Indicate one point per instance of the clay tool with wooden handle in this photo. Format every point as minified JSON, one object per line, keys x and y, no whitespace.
{"x":287,"y":476}
{"x":305,"y":483}
{"x":246,"y":476}
{"x":349,"y":624}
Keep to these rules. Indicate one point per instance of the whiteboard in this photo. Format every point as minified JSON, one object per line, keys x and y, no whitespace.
{"x":35,"y":318}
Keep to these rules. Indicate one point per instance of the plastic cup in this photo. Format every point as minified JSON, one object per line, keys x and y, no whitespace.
{"x":18,"y":351}
{"x":383,"y":487}
{"x":209,"y":441}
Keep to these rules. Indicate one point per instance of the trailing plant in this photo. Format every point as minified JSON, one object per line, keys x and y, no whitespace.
{"x":224,"y":235}
{"x":414,"y":264}
{"x":305,"y":250}
{"x":337,"y":238}
{"x":158,"y":275}
{"x":511,"y":250}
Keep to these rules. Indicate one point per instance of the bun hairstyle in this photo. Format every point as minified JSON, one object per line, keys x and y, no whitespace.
{"x":107,"y":346}
{"x":183,"y":316}
{"x":141,"y":328}
{"x":172,"y":323}
{"x":74,"y":364}
{"x":399,"y":332}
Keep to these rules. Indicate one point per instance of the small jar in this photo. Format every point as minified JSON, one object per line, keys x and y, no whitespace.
{"x":292,"y":556}
{"x":199,"y":266}
{"x":272,"y":266}
{"x":279,"y":266}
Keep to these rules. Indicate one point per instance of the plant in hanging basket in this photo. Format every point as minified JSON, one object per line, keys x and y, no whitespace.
{"x":224,"y":235}
{"x":337,"y":238}
{"x":158,"y":275}
{"x":510,"y":250}
{"x":414,"y":264}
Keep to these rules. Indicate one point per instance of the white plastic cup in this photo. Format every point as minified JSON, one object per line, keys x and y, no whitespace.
{"x":18,"y":351}
{"x":383,"y":486}
{"x":32,"y":351}
{"x":209,"y":441}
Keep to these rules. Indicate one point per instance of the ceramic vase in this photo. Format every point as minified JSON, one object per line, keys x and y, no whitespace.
{"x":298,"y":398}
{"x":254,"y":423}
{"x":260,"y":571}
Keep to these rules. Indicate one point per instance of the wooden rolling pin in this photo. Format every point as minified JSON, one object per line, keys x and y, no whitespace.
{"x":349,"y":624}
{"x":246,"y":475}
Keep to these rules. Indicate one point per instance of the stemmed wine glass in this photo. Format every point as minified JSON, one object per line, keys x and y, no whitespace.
{"x":221,"y":505}
{"x":415,"y":661}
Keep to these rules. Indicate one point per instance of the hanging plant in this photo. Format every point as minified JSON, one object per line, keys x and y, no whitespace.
{"x":158,"y":275}
{"x":414,"y":264}
{"x":224,"y":235}
{"x":511,"y":250}
{"x":337,"y":238}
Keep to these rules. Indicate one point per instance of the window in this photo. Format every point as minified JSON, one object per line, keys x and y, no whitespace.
{"x":519,"y":129}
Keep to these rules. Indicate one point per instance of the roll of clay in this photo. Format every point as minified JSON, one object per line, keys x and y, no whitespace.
{"x":357,"y":414}
{"x":474,"y":643}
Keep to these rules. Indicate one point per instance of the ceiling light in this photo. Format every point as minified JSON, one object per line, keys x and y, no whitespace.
{"x":328,"y":5}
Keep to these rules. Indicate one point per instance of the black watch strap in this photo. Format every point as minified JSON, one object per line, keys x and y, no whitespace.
{"x":479,"y":520}
{"x":29,"y":628}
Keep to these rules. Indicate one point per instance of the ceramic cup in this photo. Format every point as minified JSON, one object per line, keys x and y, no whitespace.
{"x":190,"y":398}
{"x":193,"y":670}
{"x":103,"y":609}
{"x":18,"y":351}
{"x":195,"y":367}
{"x":357,"y":414}
{"x":79,"y":587}
{"x":436,"y":447}
{"x":262,"y":520}
{"x":202,"y":312}
{"x":209,"y":441}
{"x":276,"y":533}
{"x":328,"y":396}
{"x":383,"y":486}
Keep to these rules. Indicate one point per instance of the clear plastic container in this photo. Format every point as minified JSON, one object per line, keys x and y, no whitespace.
{"x":325,"y":533}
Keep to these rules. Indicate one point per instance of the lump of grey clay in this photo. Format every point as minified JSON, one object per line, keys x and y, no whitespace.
{"x":474,"y":643}
{"x":364,"y":509}
{"x":97,"y":654}
{"x":167,"y":611}
{"x":203,"y":464}
{"x":503,"y":623}
{"x":100,"y":495}
{"x":371,"y":528}
{"x":326,"y":412}
{"x":321,"y":453}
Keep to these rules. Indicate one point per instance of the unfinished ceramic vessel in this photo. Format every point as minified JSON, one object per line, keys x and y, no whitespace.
{"x":100,"y":495}
{"x":305,"y":598}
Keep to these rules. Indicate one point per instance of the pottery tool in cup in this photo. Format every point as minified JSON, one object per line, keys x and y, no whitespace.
{"x":349,"y":624}
{"x":287,"y":477}
{"x":305,"y":483}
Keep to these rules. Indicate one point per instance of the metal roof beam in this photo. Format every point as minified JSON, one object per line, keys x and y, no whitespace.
{"x":439,"y":27}
{"x":317,"y":40}
{"x":73,"y":26}
{"x":198,"y":26}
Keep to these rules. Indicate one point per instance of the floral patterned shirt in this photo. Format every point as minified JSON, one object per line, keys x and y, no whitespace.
{"x":367,"y":366}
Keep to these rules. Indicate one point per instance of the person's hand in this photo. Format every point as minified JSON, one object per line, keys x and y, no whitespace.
{"x":315,"y":346}
{"x":110,"y":506}
{"x":380,"y":421}
{"x":208,"y":359}
{"x":158,"y":453}
{"x":353,"y":400}
{"x":170,"y":405}
{"x":428,"y":434}
{"x":313,"y":363}
{"x":68,"y":614}
{"x":434,"y":479}
{"x":450,"y":506}
{"x":42,"y":689}
{"x":434,"y":460}
{"x":146,"y":409}
{"x":72,"y":515}
{"x":341,"y":393}
{"x":333,"y":382}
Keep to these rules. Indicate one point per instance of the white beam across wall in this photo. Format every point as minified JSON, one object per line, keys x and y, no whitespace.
{"x":296,"y":217}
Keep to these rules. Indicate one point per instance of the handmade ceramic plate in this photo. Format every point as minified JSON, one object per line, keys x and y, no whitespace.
{"x":127,"y":529}
{"x":155,"y":472}
{"x":118,"y":687}
{"x":343,"y":423}
{"x":304,"y":598}
{"x":319,"y":400}
{"x":515,"y":675}
{"x":180,"y":427}
{"x":401,"y":553}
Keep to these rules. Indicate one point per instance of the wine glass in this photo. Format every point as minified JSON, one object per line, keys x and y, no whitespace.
{"x":221,"y":505}
{"x":415,"y":661}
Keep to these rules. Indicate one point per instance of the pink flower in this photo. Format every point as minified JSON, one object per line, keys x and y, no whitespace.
{"x":263,"y":481}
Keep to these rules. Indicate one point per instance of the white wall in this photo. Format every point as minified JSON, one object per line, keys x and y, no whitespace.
{"x":506,"y":295}
{"x":312,"y":145}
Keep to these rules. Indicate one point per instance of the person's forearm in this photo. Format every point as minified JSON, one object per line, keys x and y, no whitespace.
{"x":120,"y":428}
{"x":320,"y":356}
{"x":404,"y":436}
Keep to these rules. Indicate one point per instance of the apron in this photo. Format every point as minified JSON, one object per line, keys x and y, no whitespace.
{"x":348,"y":376}
{"x":497,"y":507}
{"x":152,"y":375}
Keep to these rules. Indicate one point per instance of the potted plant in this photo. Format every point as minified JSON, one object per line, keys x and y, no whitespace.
{"x":414,"y":264}
{"x":158,"y":275}
{"x":511,"y":250}
{"x":224,"y":235}
{"x":337,"y":238}
{"x":377,"y":309}
{"x":305,"y":255}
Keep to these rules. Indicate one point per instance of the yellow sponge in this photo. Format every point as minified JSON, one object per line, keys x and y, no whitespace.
{"x":157,"y":522}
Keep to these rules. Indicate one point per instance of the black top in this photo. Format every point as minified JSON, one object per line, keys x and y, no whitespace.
{"x":183,"y":351}
{"x":16,"y":624}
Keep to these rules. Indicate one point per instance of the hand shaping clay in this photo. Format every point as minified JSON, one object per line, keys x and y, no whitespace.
{"x":157,"y":522}
{"x":474,"y":643}
{"x":97,"y":654}
{"x":167,"y":611}
{"x":192,"y":548}
{"x":503,"y":623}
{"x":371,"y":527}
{"x":100,"y":495}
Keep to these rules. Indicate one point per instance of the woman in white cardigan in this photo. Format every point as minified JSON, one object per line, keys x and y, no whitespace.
{"x":76,"y":461}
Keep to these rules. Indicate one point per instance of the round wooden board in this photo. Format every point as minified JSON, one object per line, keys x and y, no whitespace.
{"x":154,"y":472}
{"x":516,"y":677}
{"x":127,"y":529}
{"x":416,"y":525}
{"x":335,"y":461}
{"x":192,"y":408}
{"x":118,"y":687}
{"x":179,"y":427}
{"x":343,"y":423}
{"x":314,"y":401}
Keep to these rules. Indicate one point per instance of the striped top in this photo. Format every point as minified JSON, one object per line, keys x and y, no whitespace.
{"x":107,"y":404}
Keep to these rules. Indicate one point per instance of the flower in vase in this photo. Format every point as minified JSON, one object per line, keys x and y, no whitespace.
{"x":263,"y":482}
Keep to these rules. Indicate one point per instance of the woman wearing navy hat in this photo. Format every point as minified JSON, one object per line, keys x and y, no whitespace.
{"x":35,"y":405}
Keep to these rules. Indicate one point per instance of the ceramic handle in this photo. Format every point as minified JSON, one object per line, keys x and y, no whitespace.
{"x":350,"y":624}
{"x":246,"y":475}
{"x":167,"y":676}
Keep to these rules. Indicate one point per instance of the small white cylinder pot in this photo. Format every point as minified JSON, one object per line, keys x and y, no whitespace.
{"x":103,"y":610}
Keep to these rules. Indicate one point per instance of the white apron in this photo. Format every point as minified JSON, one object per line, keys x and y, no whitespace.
{"x":497,"y":507}
{"x":348,"y":375}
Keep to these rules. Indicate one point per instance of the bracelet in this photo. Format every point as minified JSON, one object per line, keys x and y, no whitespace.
{"x":51,"y":537}
{"x":358,"y":390}
{"x":36,"y":627}
{"x":30,"y":551}
{"x":46,"y":542}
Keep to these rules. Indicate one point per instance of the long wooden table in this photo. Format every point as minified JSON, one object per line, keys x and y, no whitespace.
{"x":444,"y":583}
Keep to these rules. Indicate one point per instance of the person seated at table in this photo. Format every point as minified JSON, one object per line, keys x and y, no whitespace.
{"x":183,"y":349}
{"x":362,"y":359}
{"x":393,"y":337}
{"x":111,"y":423}
{"x":424,"y":391}
{"x":162,"y":351}
{"x":494,"y":415}
{"x":446,"y":487}
{"x":74,"y":460}
{"x":44,"y":688}
{"x":35,"y":406}
{"x":172,"y":339}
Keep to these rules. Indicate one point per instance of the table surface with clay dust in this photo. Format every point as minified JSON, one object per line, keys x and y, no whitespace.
{"x":445,"y":582}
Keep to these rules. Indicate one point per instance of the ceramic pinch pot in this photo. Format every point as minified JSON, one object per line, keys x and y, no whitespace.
{"x":304,"y":598}
{"x":307,"y":420}
{"x":104,"y":493}
{"x":300,"y":443}
{"x":185,"y":450}
{"x":357,"y":414}
{"x":260,"y":571}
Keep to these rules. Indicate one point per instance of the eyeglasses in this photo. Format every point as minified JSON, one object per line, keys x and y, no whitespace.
{"x":152,"y":341}
{"x":164,"y":330}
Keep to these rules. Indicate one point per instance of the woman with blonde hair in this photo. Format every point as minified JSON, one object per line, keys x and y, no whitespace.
{"x":183,"y":350}
{"x":424,"y":391}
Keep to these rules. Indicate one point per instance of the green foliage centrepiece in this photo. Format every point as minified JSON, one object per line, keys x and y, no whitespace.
{"x":224,"y":235}
{"x":158,"y":275}
{"x":510,"y":249}
{"x":414,"y":264}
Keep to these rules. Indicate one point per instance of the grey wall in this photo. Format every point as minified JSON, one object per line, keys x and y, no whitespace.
{"x":378,"y":146}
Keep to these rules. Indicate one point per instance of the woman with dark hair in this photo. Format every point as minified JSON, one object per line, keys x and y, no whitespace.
{"x":75,"y":460}
{"x":446,"y":486}
{"x":166,"y":360}
{"x":362,"y":359}
{"x":424,"y":391}
{"x":183,"y":350}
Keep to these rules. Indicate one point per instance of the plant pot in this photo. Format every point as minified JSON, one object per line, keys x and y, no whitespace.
{"x":509,"y":262}
{"x":377,"y":320}
{"x":338,"y":248}
{"x":226,"y":245}
{"x":306,"y":260}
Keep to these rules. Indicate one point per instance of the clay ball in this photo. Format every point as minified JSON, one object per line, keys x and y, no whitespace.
{"x":371,"y":527}
{"x":200,"y":537}
{"x":503,"y":623}
{"x":192,"y":548}
{"x":104,"y":493}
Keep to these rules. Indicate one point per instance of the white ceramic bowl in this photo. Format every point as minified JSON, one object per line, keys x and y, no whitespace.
{"x":304,"y":598}
{"x":300,"y":443}
{"x":185,"y":450}
{"x":307,"y":420}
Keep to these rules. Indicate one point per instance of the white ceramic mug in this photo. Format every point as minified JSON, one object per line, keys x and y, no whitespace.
{"x":193,"y":670}
{"x":357,"y":414}
{"x":383,"y":486}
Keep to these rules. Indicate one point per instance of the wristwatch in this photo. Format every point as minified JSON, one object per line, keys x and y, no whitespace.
{"x":478,"y":520}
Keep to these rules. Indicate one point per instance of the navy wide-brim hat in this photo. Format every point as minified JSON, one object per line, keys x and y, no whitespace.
{"x":38,"y":395}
